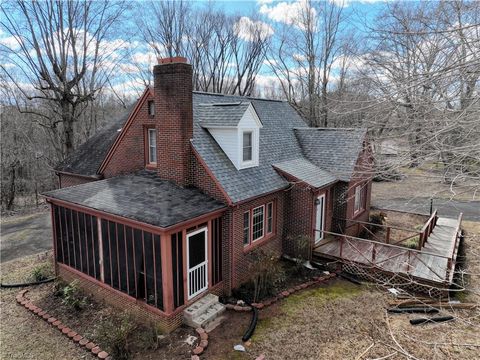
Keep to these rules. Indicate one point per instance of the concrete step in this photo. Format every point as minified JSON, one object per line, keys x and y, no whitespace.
{"x":212,"y":325}
{"x":207,"y":316}
{"x":199,"y":307}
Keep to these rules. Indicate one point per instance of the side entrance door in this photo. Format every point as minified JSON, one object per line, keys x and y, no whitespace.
{"x":197,"y":262}
{"x":320,"y":218}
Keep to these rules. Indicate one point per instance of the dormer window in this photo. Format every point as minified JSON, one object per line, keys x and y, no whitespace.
{"x":152,"y":145}
{"x":236,"y":129}
{"x":247,"y":146}
{"x":151,"y":108}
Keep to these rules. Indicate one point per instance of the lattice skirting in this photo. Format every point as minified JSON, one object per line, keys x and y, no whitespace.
{"x":389,"y":280}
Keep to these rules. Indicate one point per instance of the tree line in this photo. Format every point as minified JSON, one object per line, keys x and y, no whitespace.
{"x":411,"y":75}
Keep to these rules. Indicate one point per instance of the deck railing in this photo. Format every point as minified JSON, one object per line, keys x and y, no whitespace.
{"x":370,"y":256}
{"x":422,"y":235}
{"x":455,"y":241}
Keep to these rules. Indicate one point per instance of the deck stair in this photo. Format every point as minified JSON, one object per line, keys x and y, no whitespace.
{"x":203,"y":312}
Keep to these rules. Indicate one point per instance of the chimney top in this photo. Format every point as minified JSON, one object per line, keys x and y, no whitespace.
{"x":170,"y":60}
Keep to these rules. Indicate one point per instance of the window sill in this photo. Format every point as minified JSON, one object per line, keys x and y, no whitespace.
{"x":358,"y":213}
{"x":151,"y":166}
{"x":257,"y":243}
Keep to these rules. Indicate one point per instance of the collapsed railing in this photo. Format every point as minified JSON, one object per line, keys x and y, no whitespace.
{"x":369,"y":255}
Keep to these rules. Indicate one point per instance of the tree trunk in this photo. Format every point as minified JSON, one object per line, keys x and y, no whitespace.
{"x":11,"y":192}
{"x":67,"y":119}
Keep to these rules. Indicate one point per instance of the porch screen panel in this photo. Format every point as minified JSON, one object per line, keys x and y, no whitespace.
{"x":149,"y":268}
{"x":76,"y":240}
{"x":158,"y":271}
{"x":106,"y":254}
{"x":132,"y":290}
{"x":140,"y":264}
{"x":216,"y":251}
{"x":177,"y":269}
{"x":58,"y":234}
{"x":82,"y":234}
{"x":122,"y":257}
{"x":112,"y":228}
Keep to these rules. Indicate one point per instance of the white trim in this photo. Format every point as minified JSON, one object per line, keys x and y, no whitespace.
{"x":204,"y":264}
{"x":318,"y":238}
{"x":150,"y":130}
{"x":263,"y":220}
{"x":255,"y":148}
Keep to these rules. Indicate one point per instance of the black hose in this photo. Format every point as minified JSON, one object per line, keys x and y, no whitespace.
{"x":349,"y":278}
{"x":426,"y":320}
{"x":424,"y":310}
{"x":27,"y":284}
{"x":253,"y":323}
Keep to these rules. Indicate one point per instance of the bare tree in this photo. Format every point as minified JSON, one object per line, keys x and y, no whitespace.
{"x":304,"y":53}
{"x":226,"y":51}
{"x":62,"y":59}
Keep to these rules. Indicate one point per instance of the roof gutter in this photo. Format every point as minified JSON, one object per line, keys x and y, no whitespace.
{"x":90,"y":177}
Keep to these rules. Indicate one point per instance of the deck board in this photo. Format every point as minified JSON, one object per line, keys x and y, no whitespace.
{"x":431,"y":264}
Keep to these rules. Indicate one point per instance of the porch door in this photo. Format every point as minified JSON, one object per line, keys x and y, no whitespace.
{"x":197,"y":262}
{"x":320,"y":220}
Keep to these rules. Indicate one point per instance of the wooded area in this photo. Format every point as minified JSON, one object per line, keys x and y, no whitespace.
{"x":411,"y":76}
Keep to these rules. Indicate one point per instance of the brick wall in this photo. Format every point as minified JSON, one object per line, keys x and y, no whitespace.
{"x":138,"y":309}
{"x":273,"y":244}
{"x":71,"y":180}
{"x":202,"y":180}
{"x":174,"y":112}
{"x":129,"y":156}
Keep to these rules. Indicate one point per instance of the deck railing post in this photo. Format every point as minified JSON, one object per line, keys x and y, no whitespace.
{"x":373,"y":254}
{"x":387,"y":237}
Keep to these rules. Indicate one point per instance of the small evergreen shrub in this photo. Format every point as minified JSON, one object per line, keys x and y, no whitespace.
{"x":72,"y":296}
{"x":42,"y":272}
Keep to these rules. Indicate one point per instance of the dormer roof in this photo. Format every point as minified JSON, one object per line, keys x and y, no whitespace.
{"x":229,"y":115}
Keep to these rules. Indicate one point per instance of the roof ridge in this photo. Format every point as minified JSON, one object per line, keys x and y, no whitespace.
{"x":238,"y":96}
{"x":327,"y":128}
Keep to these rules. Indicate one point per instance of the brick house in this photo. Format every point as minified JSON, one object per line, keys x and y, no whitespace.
{"x":165,"y":204}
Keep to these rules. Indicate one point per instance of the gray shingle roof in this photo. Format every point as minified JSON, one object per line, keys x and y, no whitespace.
{"x":88,"y":157}
{"x":304,"y":170}
{"x":218,"y":114}
{"x":142,"y":196}
{"x":277,"y":143}
{"x":335,"y":150}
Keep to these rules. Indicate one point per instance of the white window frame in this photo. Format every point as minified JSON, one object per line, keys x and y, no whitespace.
{"x":359,"y":199}
{"x":149,"y":145}
{"x":266,"y":218}
{"x":263,"y":223}
{"x":252,"y":145}
{"x":249,"y":228}
{"x":255,"y":148}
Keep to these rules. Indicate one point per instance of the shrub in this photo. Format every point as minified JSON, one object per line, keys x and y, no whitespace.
{"x":412,"y":243}
{"x":266,"y":272}
{"x":123,"y":336}
{"x":42,"y":272}
{"x":72,"y":296}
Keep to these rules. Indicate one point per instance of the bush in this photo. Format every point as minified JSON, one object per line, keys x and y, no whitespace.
{"x":412,"y":243}
{"x":72,"y":296}
{"x":42,"y":272}
{"x":266,"y":272}
{"x":123,"y":336}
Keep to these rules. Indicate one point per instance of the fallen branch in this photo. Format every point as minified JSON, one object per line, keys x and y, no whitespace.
{"x":365,"y":351}
{"x":428,"y":320}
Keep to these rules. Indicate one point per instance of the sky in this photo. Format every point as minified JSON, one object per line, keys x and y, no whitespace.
{"x":362,"y":13}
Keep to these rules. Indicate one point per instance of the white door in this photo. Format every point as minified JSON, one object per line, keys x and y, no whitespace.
{"x":197,"y":262}
{"x":320,"y":219}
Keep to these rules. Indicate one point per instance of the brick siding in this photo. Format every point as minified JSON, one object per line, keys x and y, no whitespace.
{"x":71,"y":180}
{"x":138,"y":309}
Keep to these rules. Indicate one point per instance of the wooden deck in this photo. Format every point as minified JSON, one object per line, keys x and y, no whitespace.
{"x":434,"y":263}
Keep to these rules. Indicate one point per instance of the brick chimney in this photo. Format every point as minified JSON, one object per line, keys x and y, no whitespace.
{"x":174,"y":118}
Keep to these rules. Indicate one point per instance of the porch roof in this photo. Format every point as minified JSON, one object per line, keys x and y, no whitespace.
{"x":142,"y":196}
{"x":307,"y":172}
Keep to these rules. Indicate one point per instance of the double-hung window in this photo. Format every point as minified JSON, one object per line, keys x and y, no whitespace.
{"x":258,"y":223}
{"x":247,"y":146}
{"x":151,"y":108}
{"x":246,"y":228}
{"x":269,"y":217}
{"x":152,"y":145}
{"x":359,"y":198}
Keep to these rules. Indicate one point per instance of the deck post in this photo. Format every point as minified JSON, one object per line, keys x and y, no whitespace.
{"x":373,"y":254}
{"x":387,"y":237}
